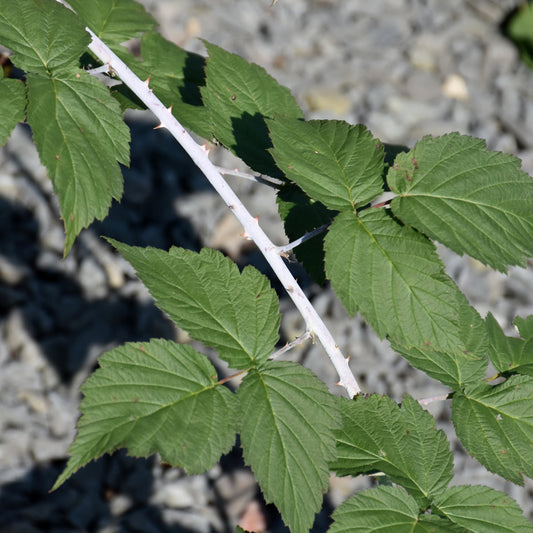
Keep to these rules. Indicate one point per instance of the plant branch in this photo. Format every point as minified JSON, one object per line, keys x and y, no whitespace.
{"x":104,"y":69}
{"x":200,"y":157}
{"x":233,"y":376}
{"x":292,"y":344}
{"x":386,"y":203}
{"x":426,"y":401}
{"x":265,"y":180}
{"x":282,"y":250}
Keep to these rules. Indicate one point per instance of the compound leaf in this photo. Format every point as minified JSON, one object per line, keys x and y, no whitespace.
{"x":114,"y":21}
{"x":510,"y":355}
{"x":378,"y":435}
{"x":239,"y":96}
{"x":393,"y":275}
{"x":334,"y":162}
{"x":77,"y":127}
{"x":385,"y":509}
{"x":495,"y":425}
{"x":81,"y":137}
{"x":470,"y":199}
{"x":153,"y":397}
{"x":301,"y":214}
{"x":12,"y":106}
{"x":44,"y":35}
{"x":287,"y":438}
{"x":482,"y":510}
{"x":237,"y":313}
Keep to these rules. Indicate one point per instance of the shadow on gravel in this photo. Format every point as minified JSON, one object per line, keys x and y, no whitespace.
{"x":111,"y":494}
{"x":46,"y":304}
{"x":59,"y":310}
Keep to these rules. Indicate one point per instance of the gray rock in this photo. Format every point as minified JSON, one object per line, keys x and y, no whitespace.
{"x":10,"y":273}
{"x":423,"y":86}
{"x":93,"y":279}
{"x":64,"y":418}
{"x":237,"y":489}
{"x":45,"y":449}
{"x":207,"y":522}
{"x":184,"y":493}
{"x":119,"y":504}
{"x":20,"y":344}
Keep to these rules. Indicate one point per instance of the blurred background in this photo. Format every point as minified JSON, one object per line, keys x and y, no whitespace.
{"x":405,"y":68}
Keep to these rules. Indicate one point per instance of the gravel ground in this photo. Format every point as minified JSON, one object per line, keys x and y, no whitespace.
{"x":405,"y":68}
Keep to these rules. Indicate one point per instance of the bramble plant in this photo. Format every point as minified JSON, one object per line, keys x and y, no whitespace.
{"x":161,"y":396}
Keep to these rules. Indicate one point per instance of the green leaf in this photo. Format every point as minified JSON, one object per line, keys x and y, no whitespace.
{"x":80,"y":135}
{"x":510,"y":355}
{"x":77,"y":127}
{"x":482,"y":510}
{"x":239,"y":96}
{"x":176,"y":77}
{"x":518,"y":29}
{"x":393,"y":275}
{"x":524,"y":326}
{"x":334,"y":162}
{"x":44,"y":35}
{"x":495,"y":425}
{"x":114,"y":21}
{"x":204,"y":293}
{"x":153,"y":397}
{"x":384,"y":510}
{"x":287,"y":438}
{"x":378,"y":435}
{"x":470,"y":199}
{"x":455,"y":369}
{"x":392,"y":151}
{"x":12,"y":106}
{"x":451,"y":369}
{"x":300,"y":215}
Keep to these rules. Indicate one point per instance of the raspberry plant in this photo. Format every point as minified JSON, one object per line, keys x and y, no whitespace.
{"x":161,"y":396}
